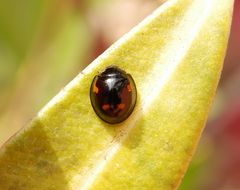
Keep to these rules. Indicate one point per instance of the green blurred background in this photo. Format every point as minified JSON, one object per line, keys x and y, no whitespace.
{"x":45,"y":43}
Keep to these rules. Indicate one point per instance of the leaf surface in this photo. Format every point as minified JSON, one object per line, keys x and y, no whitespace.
{"x":175,"y":57}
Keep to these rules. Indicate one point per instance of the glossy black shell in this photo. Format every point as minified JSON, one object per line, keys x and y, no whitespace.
{"x":113,"y":95}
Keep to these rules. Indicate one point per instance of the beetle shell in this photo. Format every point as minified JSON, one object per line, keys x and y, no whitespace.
{"x":113,"y":95}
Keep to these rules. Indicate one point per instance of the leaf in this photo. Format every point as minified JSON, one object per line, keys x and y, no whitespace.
{"x":175,"y":57}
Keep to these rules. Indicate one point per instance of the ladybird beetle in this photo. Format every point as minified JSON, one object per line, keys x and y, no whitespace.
{"x":113,"y":95}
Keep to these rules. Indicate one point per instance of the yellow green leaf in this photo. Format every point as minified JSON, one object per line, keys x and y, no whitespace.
{"x":175,"y":57}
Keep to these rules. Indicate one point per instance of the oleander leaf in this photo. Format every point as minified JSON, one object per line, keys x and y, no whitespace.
{"x":175,"y":57}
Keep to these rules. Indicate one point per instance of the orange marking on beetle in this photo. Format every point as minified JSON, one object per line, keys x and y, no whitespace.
{"x":129,"y":88}
{"x":106,"y":107}
{"x":95,"y":89}
{"x":121,"y":106}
